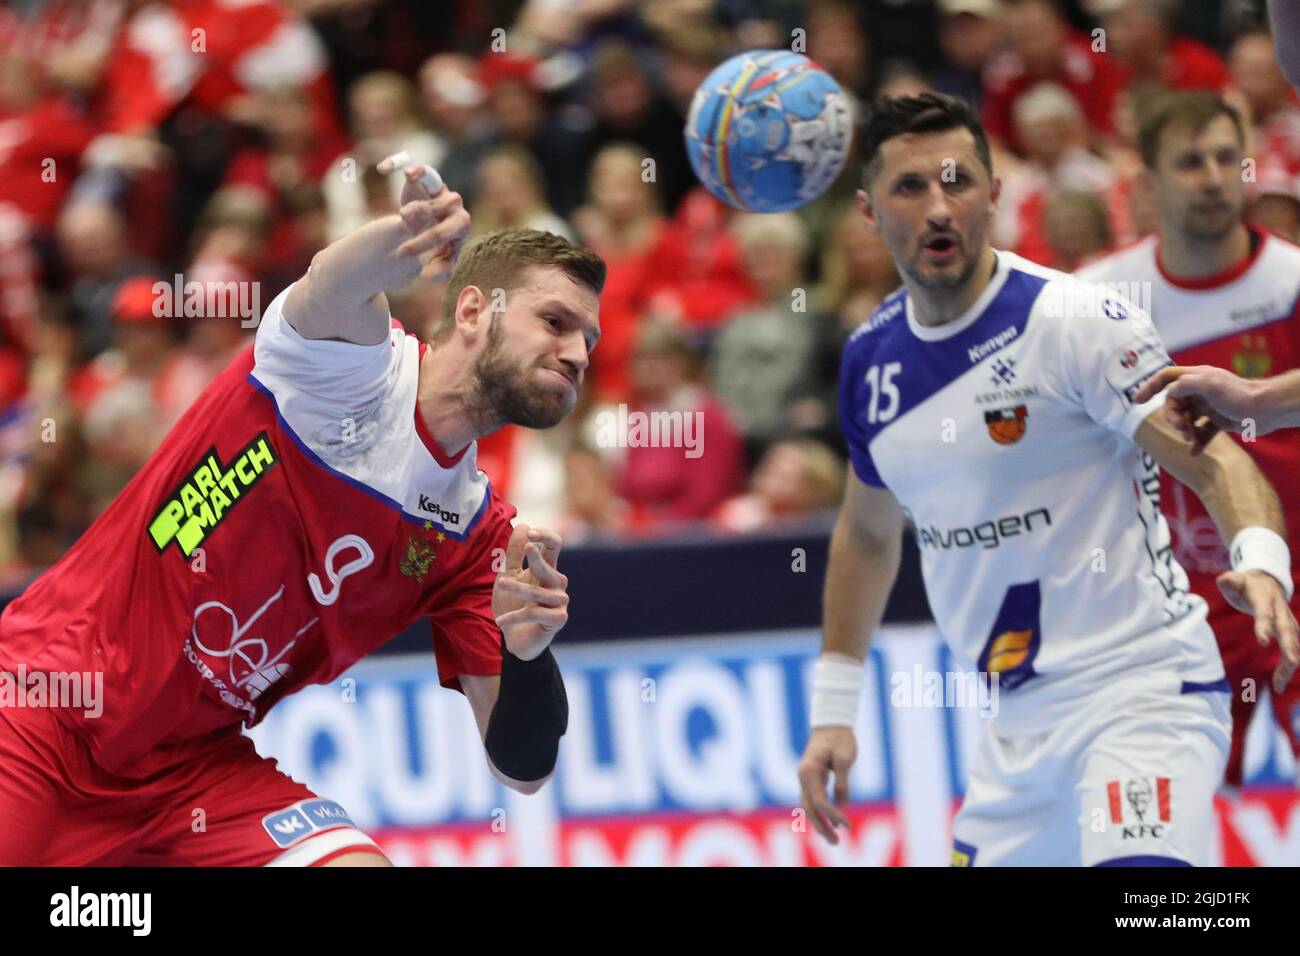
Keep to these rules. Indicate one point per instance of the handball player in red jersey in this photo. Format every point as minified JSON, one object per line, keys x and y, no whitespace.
{"x":317,"y":499}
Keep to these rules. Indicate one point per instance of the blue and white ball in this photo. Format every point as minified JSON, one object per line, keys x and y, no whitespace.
{"x":768,"y":131}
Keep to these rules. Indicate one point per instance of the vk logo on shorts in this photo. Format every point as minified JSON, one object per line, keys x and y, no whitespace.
{"x":286,"y":827}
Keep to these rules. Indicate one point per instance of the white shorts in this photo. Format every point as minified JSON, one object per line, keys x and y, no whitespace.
{"x":1130,"y":782}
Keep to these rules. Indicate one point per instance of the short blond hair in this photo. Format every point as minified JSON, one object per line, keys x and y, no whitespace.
{"x":499,"y":260}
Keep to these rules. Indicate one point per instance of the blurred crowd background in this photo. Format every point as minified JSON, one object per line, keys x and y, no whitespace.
{"x":230,"y":140}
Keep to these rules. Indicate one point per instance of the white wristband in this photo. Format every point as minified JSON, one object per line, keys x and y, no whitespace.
{"x":1260,"y":549}
{"x":837,"y":688}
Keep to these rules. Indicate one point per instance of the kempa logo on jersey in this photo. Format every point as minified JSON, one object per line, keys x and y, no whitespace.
{"x":1256,"y":315}
{"x":988,"y":533}
{"x":286,"y":827}
{"x":433,"y":508}
{"x":205,"y":497}
{"x":991,"y":345}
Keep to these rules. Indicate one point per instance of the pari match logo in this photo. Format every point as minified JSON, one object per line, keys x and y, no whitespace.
{"x":208,"y":493}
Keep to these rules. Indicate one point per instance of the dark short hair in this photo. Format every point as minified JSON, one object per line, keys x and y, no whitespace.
{"x":499,"y":260}
{"x":1195,"y":108}
{"x":892,"y":116}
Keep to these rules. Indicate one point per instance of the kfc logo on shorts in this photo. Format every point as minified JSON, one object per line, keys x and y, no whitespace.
{"x":1139,"y":806}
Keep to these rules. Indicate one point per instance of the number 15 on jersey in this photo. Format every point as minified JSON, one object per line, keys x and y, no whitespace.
{"x":881,"y":380}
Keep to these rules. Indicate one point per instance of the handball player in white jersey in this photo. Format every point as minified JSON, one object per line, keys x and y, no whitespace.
{"x":991,"y":402}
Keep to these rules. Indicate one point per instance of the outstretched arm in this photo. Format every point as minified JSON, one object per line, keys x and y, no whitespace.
{"x":523,"y":713}
{"x":1248,"y":514}
{"x":342,"y":295}
{"x":1204,"y":400}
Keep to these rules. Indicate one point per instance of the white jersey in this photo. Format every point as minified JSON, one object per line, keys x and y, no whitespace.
{"x":1007,"y":435}
{"x":1246,"y":319}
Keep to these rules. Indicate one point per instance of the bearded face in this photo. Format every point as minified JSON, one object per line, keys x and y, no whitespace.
{"x":516,"y":392}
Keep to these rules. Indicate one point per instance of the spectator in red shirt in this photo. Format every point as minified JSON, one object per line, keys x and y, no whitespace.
{"x":214,"y":340}
{"x":1077,"y":228}
{"x":1272,"y":101}
{"x":794,"y":481}
{"x":1273,"y":199}
{"x":698,"y":461}
{"x":708,"y":281}
{"x":1142,"y":36}
{"x":1043,"y":48}
{"x":293,"y":158}
{"x":592,"y":508}
{"x":1050,"y":121}
{"x":623,"y":224}
{"x":42,"y":136}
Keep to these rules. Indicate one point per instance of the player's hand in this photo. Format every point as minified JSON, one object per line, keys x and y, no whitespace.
{"x":1203,"y":401}
{"x":830,"y":750}
{"x":530,"y":603}
{"x":437,"y":224}
{"x":1259,"y":594}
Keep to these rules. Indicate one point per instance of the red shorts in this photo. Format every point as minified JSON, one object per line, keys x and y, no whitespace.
{"x":221,"y":805}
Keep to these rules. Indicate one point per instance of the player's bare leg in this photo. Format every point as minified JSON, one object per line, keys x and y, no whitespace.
{"x":359,"y":858}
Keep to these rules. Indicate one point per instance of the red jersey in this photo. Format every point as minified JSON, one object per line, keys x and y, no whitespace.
{"x":1188,"y":65}
{"x":296,"y":517}
{"x":1247,"y":320}
{"x":1092,"y":79}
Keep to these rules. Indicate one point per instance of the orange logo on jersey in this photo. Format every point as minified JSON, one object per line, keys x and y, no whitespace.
{"x":1009,"y":650}
{"x":1252,"y":360}
{"x":1006,"y":425}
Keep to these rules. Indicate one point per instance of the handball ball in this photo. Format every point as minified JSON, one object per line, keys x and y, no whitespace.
{"x":768,"y":131}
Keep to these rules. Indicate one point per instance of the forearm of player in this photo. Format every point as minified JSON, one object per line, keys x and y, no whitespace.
{"x":341,"y":297}
{"x":1280,"y":400}
{"x":1236,"y":494}
{"x":1239,"y":499}
{"x":1229,"y":483}
{"x":544,"y":725}
{"x":859,"y":577}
